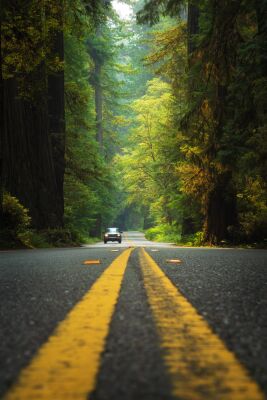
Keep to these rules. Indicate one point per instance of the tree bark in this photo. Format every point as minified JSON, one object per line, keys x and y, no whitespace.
{"x":33,"y":141}
{"x":1,"y":116}
{"x":192,"y":30}
{"x":98,"y":103}
{"x":261,"y":10}
{"x":97,"y":54}
{"x":221,"y":218}
{"x":28,"y":163}
{"x":56,"y":113}
{"x":221,"y":211}
{"x":192,"y":27}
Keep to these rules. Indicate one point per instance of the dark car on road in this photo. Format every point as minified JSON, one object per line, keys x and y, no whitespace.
{"x":112,"y":234}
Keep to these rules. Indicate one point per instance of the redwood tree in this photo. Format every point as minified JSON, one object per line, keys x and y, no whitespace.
{"x":33,"y":108}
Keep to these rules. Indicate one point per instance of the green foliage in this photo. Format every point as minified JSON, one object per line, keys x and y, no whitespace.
{"x":148,"y":161}
{"x":60,"y":237}
{"x":51,"y":238}
{"x":153,"y":9}
{"x":36,"y":240}
{"x":172,"y":234}
{"x":31,"y":33}
{"x":90,"y":194}
{"x":253,"y":210}
{"x":221,"y":98}
{"x":199,"y":239}
{"x":164,"y":233}
{"x":15,"y":216}
{"x":28,"y":30}
{"x":81,"y":205}
{"x":168,"y":56}
{"x":184,"y":138}
{"x":195,"y":240}
{"x":17,"y":231}
{"x":16,"y":222}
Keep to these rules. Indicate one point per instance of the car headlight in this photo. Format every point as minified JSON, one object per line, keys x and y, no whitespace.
{"x":106,"y":234}
{"x":118,"y":234}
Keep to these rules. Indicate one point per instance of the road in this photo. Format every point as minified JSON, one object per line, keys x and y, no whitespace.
{"x":133,"y":239}
{"x":133,"y":321}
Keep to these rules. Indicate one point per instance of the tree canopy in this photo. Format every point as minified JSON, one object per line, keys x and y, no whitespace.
{"x":158,"y":120}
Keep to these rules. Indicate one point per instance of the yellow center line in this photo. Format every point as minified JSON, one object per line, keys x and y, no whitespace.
{"x":66,"y":366}
{"x":199,"y":364}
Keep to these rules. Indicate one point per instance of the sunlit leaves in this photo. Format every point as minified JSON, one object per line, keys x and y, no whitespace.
{"x":27,"y":32}
{"x":149,"y":161}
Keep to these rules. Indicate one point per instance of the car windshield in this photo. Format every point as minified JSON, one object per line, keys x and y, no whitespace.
{"x":112,"y":230}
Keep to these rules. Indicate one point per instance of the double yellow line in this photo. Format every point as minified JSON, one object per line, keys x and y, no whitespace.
{"x":199,"y":365}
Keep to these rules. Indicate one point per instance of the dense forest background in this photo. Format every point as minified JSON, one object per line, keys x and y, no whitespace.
{"x":156,"y":121}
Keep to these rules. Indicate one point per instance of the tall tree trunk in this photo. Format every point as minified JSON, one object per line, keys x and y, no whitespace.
{"x":97,"y":85}
{"x":221,"y":216}
{"x":28,"y":163}
{"x":56,"y":112}
{"x":192,"y":27}
{"x":1,"y":115}
{"x":221,"y":219}
{"x":260,"y":102}
{"x":192,"y":30}
{"x":33,"y":140}
{"x":261,"y":9}
{"x":98,"y":103}
{"x":96,"y":53}
{"x":221,"y":211}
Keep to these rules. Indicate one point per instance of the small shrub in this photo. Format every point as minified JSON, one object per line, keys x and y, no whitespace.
{"x":153,"y":233}
{"x":187,"y":240}
{"x":60,"y":237}
{"x":37,"y":240}
{"x":198,"y":239}
{"x":163,"y":233}
{"x":194,"y":239}
{"x":15,"y":223}
{"x":15,"y":217}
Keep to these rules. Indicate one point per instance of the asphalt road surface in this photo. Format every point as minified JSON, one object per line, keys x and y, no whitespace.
{"x":133,"y":321}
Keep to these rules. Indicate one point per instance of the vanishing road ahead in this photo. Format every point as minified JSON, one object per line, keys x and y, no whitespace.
{"x":133,"y":321}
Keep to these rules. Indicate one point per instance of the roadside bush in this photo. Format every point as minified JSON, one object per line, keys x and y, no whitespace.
{"x":198,"y":239}
{"x":15,"y":223}
{"x":15,"y":229}
{"x":15,"y":216}
{"x":153,"y":233}
{"x":60,"y":237}
{"x":195,"y":239}
{"x":163,"y":233}
{"x":253,"y":212}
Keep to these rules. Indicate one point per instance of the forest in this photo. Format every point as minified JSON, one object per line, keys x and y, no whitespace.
{"x":156,"y":121}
